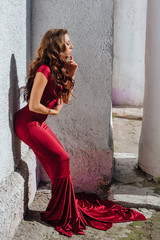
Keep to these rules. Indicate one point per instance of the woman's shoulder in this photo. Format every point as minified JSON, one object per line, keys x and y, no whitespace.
{"x":45,"y":70}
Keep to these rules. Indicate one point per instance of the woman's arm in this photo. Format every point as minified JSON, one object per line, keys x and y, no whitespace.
{"x":38,"y":87}
{"x":71,"y":69}
{"x":67,"y":96}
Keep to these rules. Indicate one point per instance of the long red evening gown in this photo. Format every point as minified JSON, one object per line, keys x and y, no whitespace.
{"x":65,"y":212}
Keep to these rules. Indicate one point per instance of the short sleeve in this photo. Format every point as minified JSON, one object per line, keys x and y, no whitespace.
{"x":45,"y":70}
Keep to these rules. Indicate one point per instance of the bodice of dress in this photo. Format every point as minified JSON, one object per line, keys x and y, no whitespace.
{"x":49,"y":99}
{"x":50,"y":94}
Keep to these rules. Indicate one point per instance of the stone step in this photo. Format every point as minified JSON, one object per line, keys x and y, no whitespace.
{"x":131,"y":187}
{"x":129,"y":113}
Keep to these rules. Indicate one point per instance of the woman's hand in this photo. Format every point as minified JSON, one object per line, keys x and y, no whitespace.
{"x":59,"y":105}
{"x":71,"y":67}
{"x":35,"y":105}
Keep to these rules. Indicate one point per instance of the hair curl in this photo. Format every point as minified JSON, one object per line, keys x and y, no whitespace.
{"x":50,"y":52}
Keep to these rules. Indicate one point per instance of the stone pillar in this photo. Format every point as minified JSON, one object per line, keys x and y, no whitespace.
{"x":149,"y":151}
{"x":83,"y":126}
{"x":129,"y":50}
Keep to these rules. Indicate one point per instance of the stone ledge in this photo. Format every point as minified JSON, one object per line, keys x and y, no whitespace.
{"x":129,"y":113}
{"x":132,"y":196}
{"x":17,"y":192}
{"x":11,"y":205}
{"x":125,"y":156}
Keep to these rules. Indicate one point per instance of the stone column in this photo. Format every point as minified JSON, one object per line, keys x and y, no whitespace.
{"x":83,"y":126}
{"x":149,"y":146}
{"x":129,"y":50}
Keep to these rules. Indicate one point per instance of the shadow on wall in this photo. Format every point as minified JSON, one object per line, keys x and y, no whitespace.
{"x":14,"y":105}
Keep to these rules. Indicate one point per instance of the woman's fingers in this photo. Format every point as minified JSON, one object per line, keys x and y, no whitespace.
{"x":71,"y":60}
{"x":73,"y":63}
{"x":60,"y":101}
{"x":59,"y":105}
{"x":71,"y":67}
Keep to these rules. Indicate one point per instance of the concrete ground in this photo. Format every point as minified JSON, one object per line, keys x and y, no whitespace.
{"x":131,"y":188}
{"x":127,"y":124}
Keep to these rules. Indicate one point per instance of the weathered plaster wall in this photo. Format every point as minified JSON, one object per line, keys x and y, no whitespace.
{"x":83,"y":127}
{"x":13,"y":71}
{"x":129,"y":51}
{"x":17,"y":165}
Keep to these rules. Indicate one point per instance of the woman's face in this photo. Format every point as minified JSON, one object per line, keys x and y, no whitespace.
{"x":69,"y":45}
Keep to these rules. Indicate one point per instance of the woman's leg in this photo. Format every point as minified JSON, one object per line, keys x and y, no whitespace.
{"x":48,"y":150}
{"x":62,"y":211}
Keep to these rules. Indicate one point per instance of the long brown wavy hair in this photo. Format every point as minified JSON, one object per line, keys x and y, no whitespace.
{"x":50,"y":52}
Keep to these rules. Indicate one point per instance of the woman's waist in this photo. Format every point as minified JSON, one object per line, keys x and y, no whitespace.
{"x":25,"y":115}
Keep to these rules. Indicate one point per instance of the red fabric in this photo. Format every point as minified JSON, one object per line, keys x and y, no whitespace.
{"x":65,"y":212}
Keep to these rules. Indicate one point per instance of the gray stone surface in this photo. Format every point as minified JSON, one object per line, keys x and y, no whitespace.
{"x":128,"y":113}
{"x":17,"y":189}
{"x":131,"y":187}
{"x":17,"y":193}
{"x":32,"y":228}
{"x":13,"y":72}
{"x":83,"y":127}
{"x":126,"y":133}
{"x":124,"y":169}
{"x":29,"y":167}
{"x":11,"y":205}
{"x":133,"y":196}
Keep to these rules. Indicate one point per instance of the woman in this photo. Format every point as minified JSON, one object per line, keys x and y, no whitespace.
{"x":50,"y":82}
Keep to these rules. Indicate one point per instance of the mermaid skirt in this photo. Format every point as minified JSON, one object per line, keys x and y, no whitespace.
{"x":66,"y":212}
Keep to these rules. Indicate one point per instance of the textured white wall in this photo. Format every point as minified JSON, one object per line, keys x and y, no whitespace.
{"x":17,"y":164}
{"x":129,"y":50}
{"x":13,"y":72}
{"x":83,"y":127}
